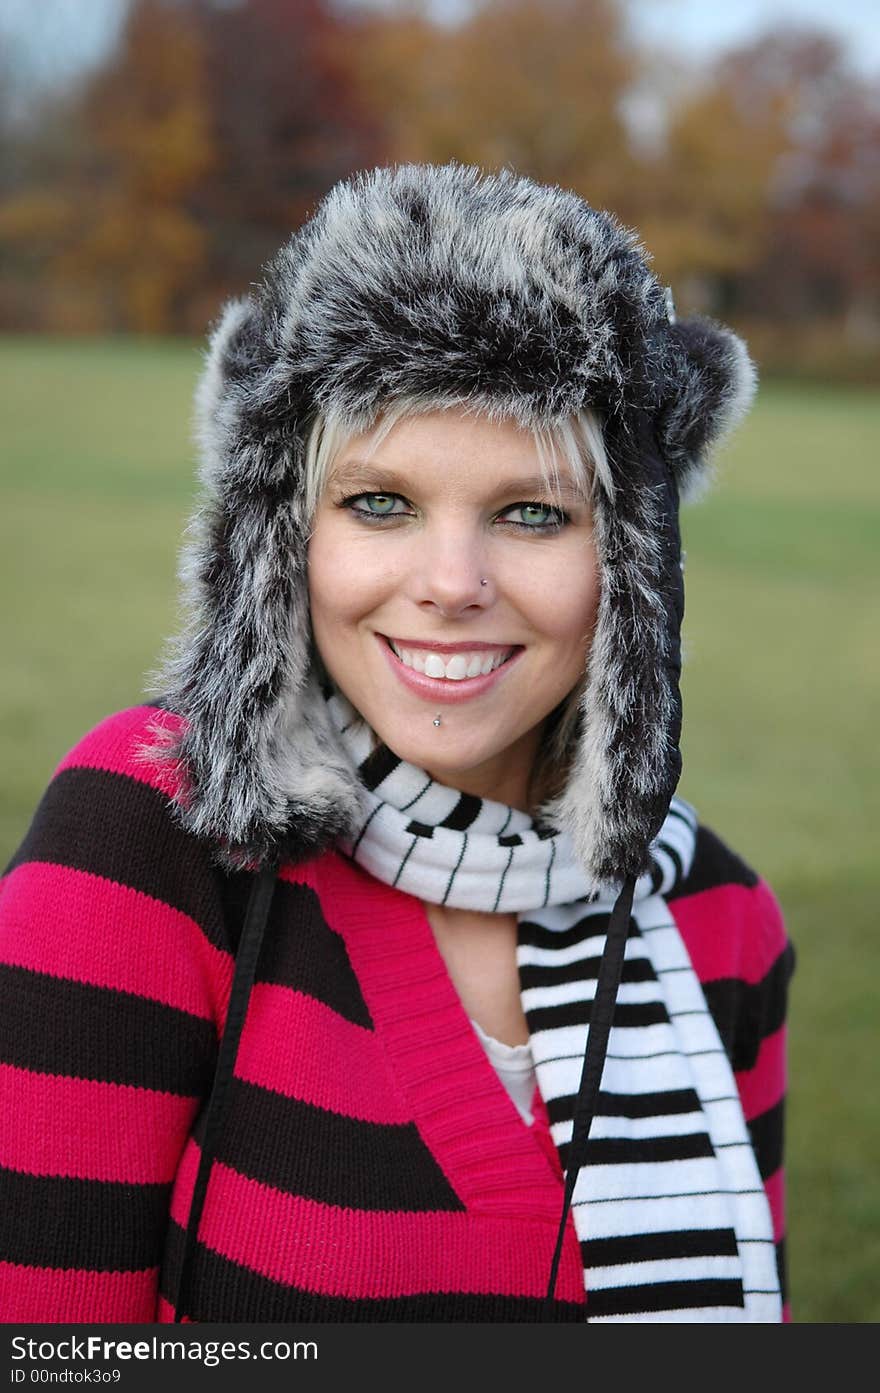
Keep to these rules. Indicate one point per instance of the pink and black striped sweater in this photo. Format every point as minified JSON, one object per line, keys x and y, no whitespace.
{"x":372,"y":1166}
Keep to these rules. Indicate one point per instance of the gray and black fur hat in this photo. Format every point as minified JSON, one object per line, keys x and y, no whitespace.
{"x":447,"y":284}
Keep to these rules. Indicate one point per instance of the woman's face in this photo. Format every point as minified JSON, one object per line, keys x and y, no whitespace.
{"x":401,"y":544}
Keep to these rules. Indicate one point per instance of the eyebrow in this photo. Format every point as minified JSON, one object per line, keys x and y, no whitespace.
{"x":363,"y":474}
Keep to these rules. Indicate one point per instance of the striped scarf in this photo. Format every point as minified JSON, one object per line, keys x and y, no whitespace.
{"x":669,"y":1209}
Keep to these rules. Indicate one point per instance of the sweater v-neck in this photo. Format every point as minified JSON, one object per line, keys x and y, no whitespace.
{"x":494,"y":1160}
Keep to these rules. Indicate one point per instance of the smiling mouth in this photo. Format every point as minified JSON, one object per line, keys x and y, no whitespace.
{"x":452,"y":667}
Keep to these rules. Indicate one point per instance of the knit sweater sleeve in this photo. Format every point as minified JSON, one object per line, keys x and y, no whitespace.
{"x":733,"y":926}
{"x":114,"y":980}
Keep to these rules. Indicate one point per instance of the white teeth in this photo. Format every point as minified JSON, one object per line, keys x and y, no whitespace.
{"x":457,"y":668}
{"x":454,"y":669}
{"x":434,"y":665}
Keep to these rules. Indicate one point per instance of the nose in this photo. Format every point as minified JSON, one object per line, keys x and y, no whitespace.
{"x":452,"y":573}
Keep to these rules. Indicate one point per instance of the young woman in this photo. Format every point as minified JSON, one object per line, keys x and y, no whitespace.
{"x":374,"y":972}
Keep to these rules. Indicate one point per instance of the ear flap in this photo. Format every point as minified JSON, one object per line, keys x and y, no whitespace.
{"x":256,"y":749}
{"x":627,"y":763}
{"x":710,"y":384}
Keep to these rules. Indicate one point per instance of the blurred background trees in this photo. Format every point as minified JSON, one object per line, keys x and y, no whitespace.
{"x":143,"y":194}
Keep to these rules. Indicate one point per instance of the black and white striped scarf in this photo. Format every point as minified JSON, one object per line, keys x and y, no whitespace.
{"x":670,"y":1210}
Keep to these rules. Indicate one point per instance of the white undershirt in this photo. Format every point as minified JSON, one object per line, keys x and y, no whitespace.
{"x":515,"y":1068}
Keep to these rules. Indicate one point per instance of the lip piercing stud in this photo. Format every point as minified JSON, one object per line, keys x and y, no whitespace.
{"x":436,"y":720}
{"x":484,"y":582}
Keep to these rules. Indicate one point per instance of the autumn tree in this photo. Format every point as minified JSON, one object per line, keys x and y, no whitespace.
{"x":536,"y":84}
{"x":203,"y":141}
{"x":762,"y":198}
{"x":706,"y":193}
{"x":215,"y":127}
{"x":37,"y":213}
{"x":822,"y":255}
{"x":149,"y":148}
{"x":286,"y":123}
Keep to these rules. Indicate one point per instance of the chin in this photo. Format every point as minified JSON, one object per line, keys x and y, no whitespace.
{"x":438,"y":747}
{"x":451,"y":756}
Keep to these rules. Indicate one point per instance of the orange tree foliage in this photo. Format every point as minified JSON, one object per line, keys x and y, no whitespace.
{"x":215,"y":127}
{"x":136,"y":239}
{"x":705,"y":203}
{"x":536,"y":84}
{"x":769,"y":186}
{"x":199,"y":146}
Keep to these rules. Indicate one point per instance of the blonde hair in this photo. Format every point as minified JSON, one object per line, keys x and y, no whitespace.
{"x":580,"y":443}
{"x":578,"y":440}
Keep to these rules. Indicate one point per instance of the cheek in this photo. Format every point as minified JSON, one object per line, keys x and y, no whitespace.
{"x":564,"y":601}
{"x":341,"y":587}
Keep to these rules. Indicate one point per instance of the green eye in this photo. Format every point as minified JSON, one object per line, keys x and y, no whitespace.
{"x":378,"y":504}
{"x":537,"y":517}
{"x":535,"y":513}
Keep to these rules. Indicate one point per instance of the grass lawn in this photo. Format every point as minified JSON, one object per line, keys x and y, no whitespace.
{"x":781,"y":694}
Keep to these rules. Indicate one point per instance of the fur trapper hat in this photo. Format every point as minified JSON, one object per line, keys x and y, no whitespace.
{"x":453,"y":285}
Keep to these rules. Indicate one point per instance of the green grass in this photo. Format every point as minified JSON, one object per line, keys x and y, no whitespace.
{"x":781,"y":692}
{"x":96,"y":484}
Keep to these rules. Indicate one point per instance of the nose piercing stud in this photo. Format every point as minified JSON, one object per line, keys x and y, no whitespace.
{"x":436,"y":720}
